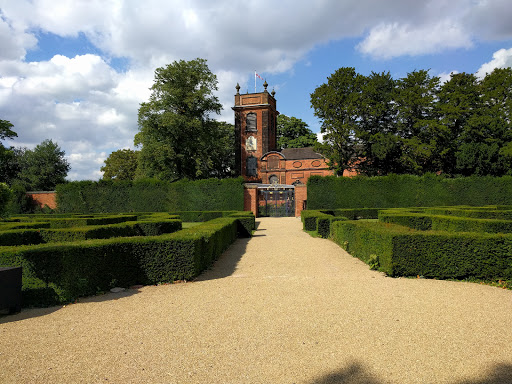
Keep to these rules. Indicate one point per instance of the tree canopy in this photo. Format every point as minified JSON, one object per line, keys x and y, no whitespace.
{"x":177,"y":136}
{"x":415,"y":124}
{"x":43,"y":167}
{"x":120,"y":165}
{"x":294,"y":133}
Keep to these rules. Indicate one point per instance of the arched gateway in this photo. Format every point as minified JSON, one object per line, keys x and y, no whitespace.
{"x":277,"y":174}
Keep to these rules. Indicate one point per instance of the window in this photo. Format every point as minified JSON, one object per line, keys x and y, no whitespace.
{"x":250,"y":122}
{"x":273,"y":179}
{"x":251,"y":168}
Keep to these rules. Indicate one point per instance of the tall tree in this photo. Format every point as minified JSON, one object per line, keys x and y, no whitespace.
{"x":417,"y":122}
{"x":376,"y":130}
{"x":120,"y":165}
{"x":178,"y":137}
{"x":294,"y":133}
{"x":8,"y":168}
{"x":43,"y":167}
{"x":459,"y":99}
{"x":336,"y":104}
{"x":486,"y":143}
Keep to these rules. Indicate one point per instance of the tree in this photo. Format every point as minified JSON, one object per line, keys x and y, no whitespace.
{"x":120,"y":165}
{"x":177,"y":135}
{"x":8,"y":167}
{"x":459,"y":99}
{"x":336,"y":104}
{"x":376,"y":130}
{"x":43,"y":167}
{"x":294,"y":133}
{"x":417,"y":122}
{"x":486,"y":142}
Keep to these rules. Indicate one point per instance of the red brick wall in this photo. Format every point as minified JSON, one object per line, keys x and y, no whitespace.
{"x":251,"y":199}
{"x":301,"y":195}
{"x":44,"y":198}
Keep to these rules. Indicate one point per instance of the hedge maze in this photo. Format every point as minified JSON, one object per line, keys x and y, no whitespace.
{"x":65,"y":256}
{"x":440,"y":242}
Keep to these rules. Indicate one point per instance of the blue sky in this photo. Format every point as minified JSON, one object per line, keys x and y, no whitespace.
{"x":75,"y":71}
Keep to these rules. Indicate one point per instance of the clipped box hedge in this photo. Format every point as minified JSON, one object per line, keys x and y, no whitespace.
{"x":56,"y":273}
{"x":425,"y":221}
{"x":321,"y":220}
{"x":401,"y":251}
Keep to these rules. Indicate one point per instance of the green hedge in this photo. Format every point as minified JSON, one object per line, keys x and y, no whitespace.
{"x":319,"y":221}
{"x":113,"y":197}
{"x":40,"y":236}
{"x":207,"y":195}
{"x":150,"y":196}
{"x":60,"y":272}
{"x":401,"y":251}
{"x":425,"y":221}
{"x":407,"y":191}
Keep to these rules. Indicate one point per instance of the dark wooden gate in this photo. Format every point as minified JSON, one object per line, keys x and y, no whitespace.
{"x":276,"y":201}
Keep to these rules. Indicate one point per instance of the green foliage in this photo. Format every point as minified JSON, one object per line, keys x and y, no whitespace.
{"x":294,"y":133}
{"x":115,"y":197}
{"x":415,"y":125}
{"x":120,"y":165}
{"x":444,"y":252}
{"x":336,"y":103}
{"x":5,"y":196}
{"x":56,"y":273}
{"x":207,"y":195}
{"x":407,"y":191}
{"x":178,"y":137}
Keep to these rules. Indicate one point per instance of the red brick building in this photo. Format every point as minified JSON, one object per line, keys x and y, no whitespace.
{"x":258,"y":159}
{"x":275,"y":178}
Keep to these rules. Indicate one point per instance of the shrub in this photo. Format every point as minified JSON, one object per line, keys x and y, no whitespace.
{"x":403,"y":251}
{"x":407,"y":191}
{"x":56,"y":273}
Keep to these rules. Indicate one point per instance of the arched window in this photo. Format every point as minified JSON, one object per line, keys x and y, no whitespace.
{"x":250,"y":122}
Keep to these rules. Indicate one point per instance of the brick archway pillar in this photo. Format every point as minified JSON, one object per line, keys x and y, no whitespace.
{"x":251,"y":199}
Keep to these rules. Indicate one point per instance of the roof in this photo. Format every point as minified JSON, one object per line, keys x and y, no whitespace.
{"x":300,"y":153}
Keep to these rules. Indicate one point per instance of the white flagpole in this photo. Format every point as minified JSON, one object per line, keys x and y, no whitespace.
{"x":254,"y":81}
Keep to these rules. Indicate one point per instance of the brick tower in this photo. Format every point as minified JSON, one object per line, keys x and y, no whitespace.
{"x":255,"y":131}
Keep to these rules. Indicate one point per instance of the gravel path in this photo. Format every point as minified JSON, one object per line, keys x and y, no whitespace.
{"x":282,"y":307}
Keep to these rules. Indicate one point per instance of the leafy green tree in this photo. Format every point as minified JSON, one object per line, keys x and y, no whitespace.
{"x":120,"y":165}
{"x":43,"y":167}
{"x":8,"y":167}
{"x":294,"y":133}
{"x":486,"y":141}
{"x":177,"y":135}
{"x":376,"y":128}
{"x":5,"y":195}
{"x":336,"y":103}
{"x":417,"y":122}
{"x":459,"y":99}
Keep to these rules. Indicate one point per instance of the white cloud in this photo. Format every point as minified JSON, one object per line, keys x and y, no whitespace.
{"x":82,"y":103}
{"x":500,"y":59}
{"x":446,"y":76}
{"x":391,"y":40}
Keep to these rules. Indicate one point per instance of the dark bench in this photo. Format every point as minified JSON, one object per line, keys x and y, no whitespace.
{"x":10,"y":289}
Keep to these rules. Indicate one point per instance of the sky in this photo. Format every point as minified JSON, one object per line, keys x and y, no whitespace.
{"x":76,"y":71}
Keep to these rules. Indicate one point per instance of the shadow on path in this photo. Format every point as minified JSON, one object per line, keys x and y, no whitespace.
{"x":357,"y":373}
{"x":28,"y":313}
{"x":226,"y":264}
